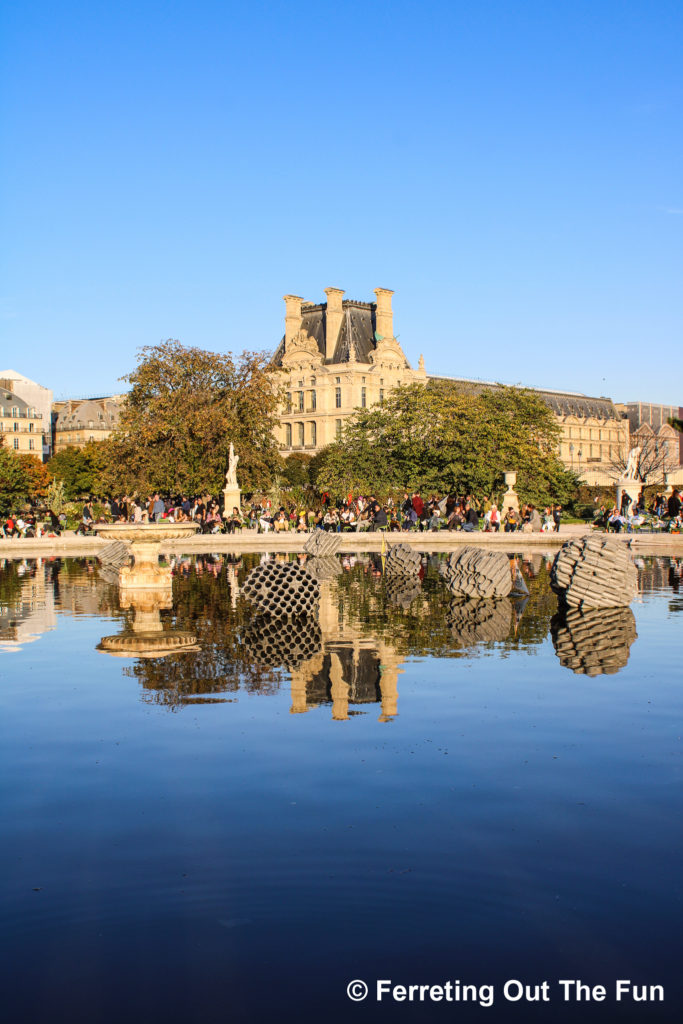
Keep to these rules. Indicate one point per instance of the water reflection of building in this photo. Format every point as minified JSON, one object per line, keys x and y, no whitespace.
{"x":350,"y":672}
{"x":30,"y":611}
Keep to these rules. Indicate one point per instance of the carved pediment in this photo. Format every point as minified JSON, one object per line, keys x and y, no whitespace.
{"x":387,"y":350}
{"x":301,"y":345}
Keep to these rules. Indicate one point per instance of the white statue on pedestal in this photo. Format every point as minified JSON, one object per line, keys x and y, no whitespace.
{"x":231,"y":475}
{"x":631,"y":471}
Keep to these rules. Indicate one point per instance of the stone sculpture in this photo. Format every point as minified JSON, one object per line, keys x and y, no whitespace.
{"x":324,"y":568}
{"x":594,"y":572}
{"x":231,"y":474}
{"x":475,"y":572}
{"x":284,"y":591}
{"x":402,"y":560}
{"x":322,"y":543}
{"x":593,"y":642}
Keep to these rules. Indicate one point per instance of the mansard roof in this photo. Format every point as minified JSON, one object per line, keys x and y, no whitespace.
{"x":562,"y":403}
{"x":356,"y":339}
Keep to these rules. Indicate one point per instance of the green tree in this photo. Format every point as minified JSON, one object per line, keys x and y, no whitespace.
{"x":80,"y":469}
{"x":296,"y":470}
{"x":437,"y":437}
{"x":15,"y":480}
{"x":184,"y":407}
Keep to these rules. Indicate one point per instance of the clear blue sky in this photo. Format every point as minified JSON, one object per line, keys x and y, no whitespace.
{"x":513,"y":171}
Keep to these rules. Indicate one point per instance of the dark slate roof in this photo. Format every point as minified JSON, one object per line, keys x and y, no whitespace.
{"x":356,"y":334}
{"x":562,"y":403}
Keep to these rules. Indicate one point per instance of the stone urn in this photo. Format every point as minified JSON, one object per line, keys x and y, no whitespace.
{"x":145,"y":541}
{"x":510,"y":497}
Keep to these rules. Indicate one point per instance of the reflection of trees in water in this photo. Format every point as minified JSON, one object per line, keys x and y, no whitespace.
{"x":593,"y":642}
{"x":426,"y":624}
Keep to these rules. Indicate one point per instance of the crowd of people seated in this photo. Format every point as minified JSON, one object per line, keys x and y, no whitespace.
{"x":436,"y":512}
{"x":660,"y":513}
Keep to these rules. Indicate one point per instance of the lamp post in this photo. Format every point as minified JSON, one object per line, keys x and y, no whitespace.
{"x":571,"y":455}
{"x":580,"y":453}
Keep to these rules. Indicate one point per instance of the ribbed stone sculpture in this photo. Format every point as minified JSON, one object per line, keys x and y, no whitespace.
{"x":476,"y":622}
{"x":594,"y":572}
{"x":593,"y":642}
{"x":322,"y":543}
{"x":402,"y":560}
{"x":289,"y":642}
{"x":324,"y":568}
{"x":285,"y":591}
{"x":475,"y":572}
{"x":115,"y":554}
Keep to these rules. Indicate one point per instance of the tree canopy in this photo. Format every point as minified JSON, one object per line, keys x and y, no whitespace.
{"x":184,"y":407}
{"x":437,"y":437}
{"x":80,"y":469}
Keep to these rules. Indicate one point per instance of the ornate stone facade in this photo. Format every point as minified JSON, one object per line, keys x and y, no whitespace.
{"x":336,"y":356}
{"x":341,"y":355}
{"x":78,"y":421}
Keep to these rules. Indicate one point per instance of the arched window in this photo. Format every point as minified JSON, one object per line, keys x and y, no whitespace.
{"x":314,"y":401}
{"x":314,"y":433}
{"x":288,"y":435}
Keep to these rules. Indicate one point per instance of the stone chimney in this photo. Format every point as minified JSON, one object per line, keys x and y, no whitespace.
{"x":292,"y":317}
{"x":334,"y":319}
{"x":385,"y":317}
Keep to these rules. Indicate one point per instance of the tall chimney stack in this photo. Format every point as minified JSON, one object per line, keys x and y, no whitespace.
{"x":334,"y":319}
{"x":385,"y":317}
{"x":292,"y":317}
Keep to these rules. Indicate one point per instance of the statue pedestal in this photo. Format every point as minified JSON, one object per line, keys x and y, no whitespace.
{"x":632,"y":488}
{"x":232,"y":496}
{"x":510,"y":496}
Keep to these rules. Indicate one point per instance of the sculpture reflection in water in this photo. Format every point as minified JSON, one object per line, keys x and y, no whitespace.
{"x":146,"y":588}
{"x":480,"y":622}
{"x":349,"y":656}
{"x":594,"y":642}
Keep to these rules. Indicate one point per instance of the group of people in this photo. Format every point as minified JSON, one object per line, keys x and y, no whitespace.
{"x":661,"y":512}
{"x":413,"y":512}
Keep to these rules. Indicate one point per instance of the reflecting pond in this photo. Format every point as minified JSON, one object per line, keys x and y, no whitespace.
{"x":405,"y":787}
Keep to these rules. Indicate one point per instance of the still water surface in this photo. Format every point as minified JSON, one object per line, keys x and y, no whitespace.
{"x":430,"y":794}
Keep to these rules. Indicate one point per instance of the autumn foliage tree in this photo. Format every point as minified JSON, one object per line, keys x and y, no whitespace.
{"x":436,"y":437}
{"x":184,"y":407}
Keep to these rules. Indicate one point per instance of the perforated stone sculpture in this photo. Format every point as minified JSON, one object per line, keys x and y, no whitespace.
{"x":322,"y":543}
{"x":402,"y":560}
{"x":476,"y":622}
{"x":287,"y":642}
{"x":475,"y":572}
{"x":283,"y":590}
{"x":594,"y":572}
{"x":593,"y":642}
{"x":324,"y":568}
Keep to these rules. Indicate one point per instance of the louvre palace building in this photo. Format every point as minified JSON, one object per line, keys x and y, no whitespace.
{"x":341,"y":355}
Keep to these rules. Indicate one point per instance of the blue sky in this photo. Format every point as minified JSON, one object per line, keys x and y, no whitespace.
{"x":513,"y":171}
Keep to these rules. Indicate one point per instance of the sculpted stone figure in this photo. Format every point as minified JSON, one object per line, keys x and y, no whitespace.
{"x":631,"y":472}
{"x":231,"y":475}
